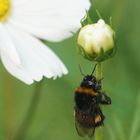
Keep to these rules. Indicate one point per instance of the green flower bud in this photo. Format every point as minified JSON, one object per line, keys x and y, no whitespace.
{"x":96,"y":41}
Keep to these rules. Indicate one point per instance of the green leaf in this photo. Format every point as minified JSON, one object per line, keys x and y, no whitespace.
{"x":136,"y":120}
{"x":119,"y":129}
{"x":111,"y":132}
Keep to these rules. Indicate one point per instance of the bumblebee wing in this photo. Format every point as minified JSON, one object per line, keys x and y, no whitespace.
{"x":91,"y":132}
{"x":84,"y":131}
{"x":80,"y":130}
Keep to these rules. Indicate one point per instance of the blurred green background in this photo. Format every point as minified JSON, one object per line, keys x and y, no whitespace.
{"x":53,"y":117}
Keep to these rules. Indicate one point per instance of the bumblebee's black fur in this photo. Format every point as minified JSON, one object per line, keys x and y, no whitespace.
{"x":90,"y":81}
{"x":88,"y":114}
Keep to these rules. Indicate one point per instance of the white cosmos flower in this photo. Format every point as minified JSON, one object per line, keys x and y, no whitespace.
{"x":24,"y":22}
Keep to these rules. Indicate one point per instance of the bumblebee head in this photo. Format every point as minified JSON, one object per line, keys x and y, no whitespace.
{"x":90,"y":81}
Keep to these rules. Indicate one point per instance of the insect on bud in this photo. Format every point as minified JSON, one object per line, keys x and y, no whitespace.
{"x":96,"y":41}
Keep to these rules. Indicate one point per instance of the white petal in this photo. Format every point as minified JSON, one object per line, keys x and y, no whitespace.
{"x":6,"y":46}
{"x":17,"y":71}
{"x":54,"y":20}
{"x":36,"y":58}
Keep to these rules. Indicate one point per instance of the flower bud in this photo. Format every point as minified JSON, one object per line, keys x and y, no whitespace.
{"x":96,"y":41}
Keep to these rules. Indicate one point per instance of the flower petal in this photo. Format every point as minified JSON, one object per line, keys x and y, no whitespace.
{"x":37,"y":60}
{"x":53,"y":20}
{"x":6,"y":46}
{"x":17,"y":71}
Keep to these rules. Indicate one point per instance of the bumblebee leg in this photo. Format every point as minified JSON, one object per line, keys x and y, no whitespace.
{"x":99,"y":112}
{"x":99,"y":117}
{"x":104,"y":99}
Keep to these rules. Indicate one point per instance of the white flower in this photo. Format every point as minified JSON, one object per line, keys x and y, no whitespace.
{"x":24,"y":22}
{"x":96,"y":38}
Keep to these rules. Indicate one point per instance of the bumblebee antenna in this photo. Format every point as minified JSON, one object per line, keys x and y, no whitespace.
{"x":81,"y":70}
{"x":94,"y":69}
{"x":101,"y":79}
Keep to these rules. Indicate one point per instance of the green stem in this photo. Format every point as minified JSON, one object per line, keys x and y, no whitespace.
{"x":30,"y":113}
{"x":99,"y":71}
{"x":9,"y":110}
{"x":99,"y":75}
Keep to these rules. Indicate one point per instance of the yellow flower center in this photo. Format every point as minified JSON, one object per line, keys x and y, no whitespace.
{"x":4,"y":9}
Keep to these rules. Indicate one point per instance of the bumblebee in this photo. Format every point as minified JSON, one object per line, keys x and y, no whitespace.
{"x":88,"y":97}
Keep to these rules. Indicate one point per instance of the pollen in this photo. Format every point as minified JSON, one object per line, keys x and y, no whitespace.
{"x":4,"y":9}
{"x":98,"y":119}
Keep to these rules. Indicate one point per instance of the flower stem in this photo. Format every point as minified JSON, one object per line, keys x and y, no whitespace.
{"x":30,"y":113}
{"x":98,"y":134}
{"x":9,"y":104}
{"x":99,"y":71}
